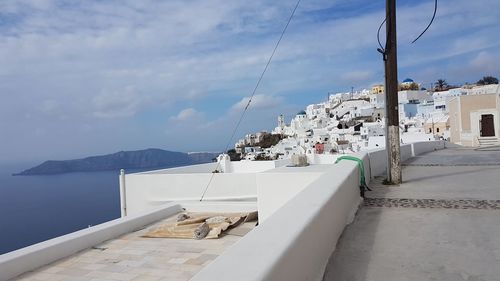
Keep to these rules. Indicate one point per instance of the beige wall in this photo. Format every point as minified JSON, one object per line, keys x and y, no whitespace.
{"x":377,"y":89}
{"x":463,"y":130}
{"x":437,"y":129}
{"x":454,"y":113}
{"x":475,"y":102}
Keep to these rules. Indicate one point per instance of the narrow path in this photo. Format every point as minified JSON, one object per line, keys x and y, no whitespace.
{"x":442,"y":223}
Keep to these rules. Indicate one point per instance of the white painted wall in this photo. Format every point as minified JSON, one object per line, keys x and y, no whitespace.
{"x":378,"y":160}
{"x":428,"y":146}
{"x":145,"y":191}
{"x":295,"y":242}
{"x":274,"y":189}
{"x":29,"y":258}
{"x":322,"y":158}
{"x":410,"y":138}
{"x":149,"y":189}
{"x":367,"y":165}
{"x":406,"y":152}
{"x":255,"y":166}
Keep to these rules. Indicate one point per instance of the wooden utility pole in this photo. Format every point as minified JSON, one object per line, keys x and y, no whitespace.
{"x":391,"y":96}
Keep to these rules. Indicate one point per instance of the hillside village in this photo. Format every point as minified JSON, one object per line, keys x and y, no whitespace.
{"x":355,"y":121}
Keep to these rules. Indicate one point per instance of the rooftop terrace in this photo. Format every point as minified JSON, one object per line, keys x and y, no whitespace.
{"x":442,"y":223}
{"x":132,"y":257}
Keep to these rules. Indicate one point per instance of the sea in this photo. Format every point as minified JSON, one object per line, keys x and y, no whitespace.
{"x":37,"y":208}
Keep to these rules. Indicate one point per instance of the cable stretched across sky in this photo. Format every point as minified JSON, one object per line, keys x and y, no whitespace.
{"x":430,"y":23}
{"x":253,"y":92}
{"x":382,"y":48}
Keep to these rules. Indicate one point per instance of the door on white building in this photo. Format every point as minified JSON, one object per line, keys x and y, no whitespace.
{"x":487,"y":125}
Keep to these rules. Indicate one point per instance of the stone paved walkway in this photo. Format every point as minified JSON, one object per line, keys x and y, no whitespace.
{"x":442,"y":223}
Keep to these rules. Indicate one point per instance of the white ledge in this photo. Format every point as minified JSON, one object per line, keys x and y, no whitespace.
{"x":29,"y":258}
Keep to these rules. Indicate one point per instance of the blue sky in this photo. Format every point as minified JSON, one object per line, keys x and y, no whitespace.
{"x":93,"y":77}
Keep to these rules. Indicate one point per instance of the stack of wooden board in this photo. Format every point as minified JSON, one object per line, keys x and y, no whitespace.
{"x":189,"y":223}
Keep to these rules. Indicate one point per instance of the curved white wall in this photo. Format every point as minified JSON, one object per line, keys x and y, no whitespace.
{"x":295,"y":242}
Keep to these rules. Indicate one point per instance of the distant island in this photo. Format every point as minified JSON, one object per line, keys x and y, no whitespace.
{"x":139,"y":159}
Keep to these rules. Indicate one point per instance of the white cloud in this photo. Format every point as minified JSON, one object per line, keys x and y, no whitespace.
{"x":111,"y":104}
{"x":486,"y":62}
{"x":187,"y":114}
{"x":113,"y":60}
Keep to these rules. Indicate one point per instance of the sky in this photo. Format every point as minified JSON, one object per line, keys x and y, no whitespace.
{"x":80,"y":78}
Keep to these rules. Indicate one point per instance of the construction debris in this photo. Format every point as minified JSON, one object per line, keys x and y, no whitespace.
{"x":182,"y":217}
{"x":201,"y":225}
{"x":201,"y":231}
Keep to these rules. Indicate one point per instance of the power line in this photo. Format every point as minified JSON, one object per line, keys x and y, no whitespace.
{"x":382,"y":48}
{"x":430,"y":23}
{"x":253,"y":93}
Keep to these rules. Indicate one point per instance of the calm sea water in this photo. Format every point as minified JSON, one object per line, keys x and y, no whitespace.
{"x":37,"y":208}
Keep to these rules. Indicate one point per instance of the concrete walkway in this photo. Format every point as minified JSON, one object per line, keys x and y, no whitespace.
{"x":442,"y":223}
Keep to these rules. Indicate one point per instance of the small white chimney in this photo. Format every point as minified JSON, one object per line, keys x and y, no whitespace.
{"x":224,"y":163}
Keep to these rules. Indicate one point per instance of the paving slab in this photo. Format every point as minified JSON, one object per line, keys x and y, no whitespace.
{"x":442,"y":223}
{"x":399,"y":244}
{"x":443,"y":182}
{"x":132,"y":257}
{"x":458,"y":156}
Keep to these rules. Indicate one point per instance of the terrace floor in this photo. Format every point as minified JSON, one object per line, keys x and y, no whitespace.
{"x":132,"y":257}
{"x":442,"y":223}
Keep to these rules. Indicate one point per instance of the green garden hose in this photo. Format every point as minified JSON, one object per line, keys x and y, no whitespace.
{"x":361,"y":166}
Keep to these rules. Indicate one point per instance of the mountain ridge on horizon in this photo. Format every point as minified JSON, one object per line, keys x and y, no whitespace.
{"x":137,"y":159}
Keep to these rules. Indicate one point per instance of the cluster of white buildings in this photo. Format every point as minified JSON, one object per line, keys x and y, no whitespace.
{"x":351,"y":122}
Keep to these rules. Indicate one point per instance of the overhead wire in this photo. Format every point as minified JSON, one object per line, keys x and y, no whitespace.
{"x":430,"y":23}
{"x":253,"y":94}
{"x":382,"y":48}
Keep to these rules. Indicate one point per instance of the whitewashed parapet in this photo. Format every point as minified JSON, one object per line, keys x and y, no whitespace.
{"x":146,"y":191}
{"x":378,"y":157}
{"x":378,"y":161}
{"x":406,"y":152}
{"x":295,"y":242}
{"x":427,"y":146}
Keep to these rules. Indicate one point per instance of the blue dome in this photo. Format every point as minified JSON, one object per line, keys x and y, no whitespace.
{"x":302,"y":112}
{"x":408,"y":80}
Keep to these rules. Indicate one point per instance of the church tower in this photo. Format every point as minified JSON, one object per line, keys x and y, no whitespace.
{"x":281,"y":121}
